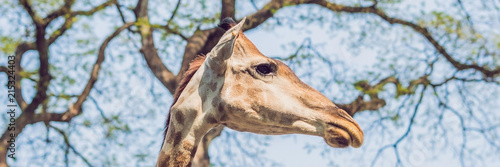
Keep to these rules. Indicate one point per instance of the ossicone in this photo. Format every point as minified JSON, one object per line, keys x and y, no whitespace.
{"x":227,"y":23}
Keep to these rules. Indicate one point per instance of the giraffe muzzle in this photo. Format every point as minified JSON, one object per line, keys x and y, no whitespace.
{"x":342,"y":135}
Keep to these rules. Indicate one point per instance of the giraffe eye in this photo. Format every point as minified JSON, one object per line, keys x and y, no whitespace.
{"x":265,"y":69}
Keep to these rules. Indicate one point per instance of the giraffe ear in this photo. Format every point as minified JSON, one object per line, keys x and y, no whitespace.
{"x":224,"y":48}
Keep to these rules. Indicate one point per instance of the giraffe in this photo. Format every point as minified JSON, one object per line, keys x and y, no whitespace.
{"x":237,"y":86}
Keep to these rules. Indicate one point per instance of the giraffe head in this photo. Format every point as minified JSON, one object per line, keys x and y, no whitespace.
{"x":239,"y":87}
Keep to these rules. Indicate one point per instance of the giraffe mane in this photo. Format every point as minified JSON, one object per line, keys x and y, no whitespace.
{"x":193,"y":67}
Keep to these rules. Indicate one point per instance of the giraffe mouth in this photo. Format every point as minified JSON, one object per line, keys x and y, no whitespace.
{"x":343,"y":136}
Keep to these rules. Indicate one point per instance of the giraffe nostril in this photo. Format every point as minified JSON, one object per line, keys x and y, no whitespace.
{"x":331,"y":124}
{"x":337,"y":137}
{"x":342,"y":142}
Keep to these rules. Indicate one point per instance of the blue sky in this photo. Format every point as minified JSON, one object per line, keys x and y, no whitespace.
{"x":288,"y":150}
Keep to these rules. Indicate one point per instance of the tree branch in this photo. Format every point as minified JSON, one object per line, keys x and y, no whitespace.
{"x":68,"y":144}
{"x":228,"y":9}
{"x":148,"y":50}
{"x":361,"y":105}
{"x":34,"y":17}
{"x":43,"y":83}
{"x":117,"y":4}
{"x":42,"y":46}
{"x":3,"y":69}
{"x":97,"y":66}
{"x":93,"y":10}
{"x":68,"y":20}
{"x":66,"y":8}
{"x":269,"y":9}
{"x":266,"y":12}
{"x":173,"y":13}
{"x":168,"y":29}
{"x":375,"y":103}
{"x":408,"y":130}
{"x":20,"y":50}
{"x":30,"y":117}
{"x":167,"y":26}
{"x":419,"y":29}
{"x":118,"y":8}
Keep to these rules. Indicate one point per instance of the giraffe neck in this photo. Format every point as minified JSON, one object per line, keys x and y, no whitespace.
{"x":182,"y":139}
{"x":177,"y":150}
{"x":189,"y":122}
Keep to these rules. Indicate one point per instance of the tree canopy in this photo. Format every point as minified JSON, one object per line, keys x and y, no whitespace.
{"x":94,"y":79}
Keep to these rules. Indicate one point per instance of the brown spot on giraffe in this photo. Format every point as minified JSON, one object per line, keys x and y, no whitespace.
{"x":210,"y":119}
{"x":224,"y":118}
{"x":187,"y":145}
{"x":215,"y":102}
{"x":238,"y":90}
{"x":179,"y":116}
{"x":177,"y":138}
{"x":165,"y":157}
{"x":254,"y":93}
{"x":213,"y":86}
{"x":287,"y":119}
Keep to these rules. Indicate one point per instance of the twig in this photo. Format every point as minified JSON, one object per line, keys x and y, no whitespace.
{"x":68,"y":144}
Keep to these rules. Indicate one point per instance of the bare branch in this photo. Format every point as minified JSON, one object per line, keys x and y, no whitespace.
{"x":101,"y":111}
{"x":375,"y":103}
{"x":254,"y":5}
{"x":269,"y":9}
{"x":173,"y":13}
{"x":42,"y":48}
{"x":42,"y":45}
{"x":20,"y":50}
{"x":68,"y":145}
{"x":117,"y":4}
{"x":141,"y":10}
{"x":30,"y":117}
{"x":68,"y":22}
{"x":467,"y":15}
{"x":3,"y":69}
{"x":361,"y":105}
{"x":43,"y":83}
{"x":168,"y":29}
{"x":97,"y":66}
{"x":148,"y":50}
{"x":407,"y":132}
{"x":27,"y":6}
{"x":66,"y":8}
{"x":118,"y":8}
{"x":266,"y":12}
{"x":93,"y":10}
{"x":167,"y":26}
{"x":375,"y":3}
{"x":419,"y":29}
{"x":228,"y":9}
